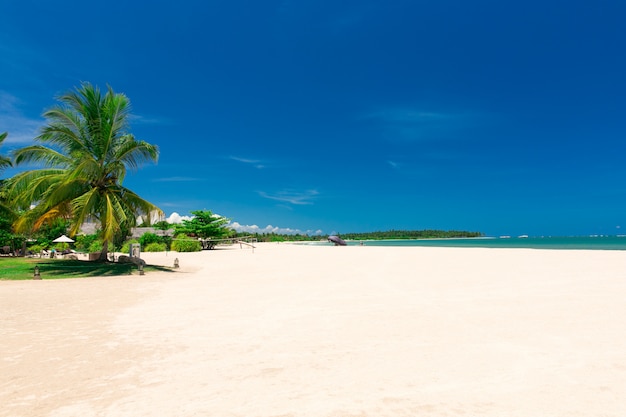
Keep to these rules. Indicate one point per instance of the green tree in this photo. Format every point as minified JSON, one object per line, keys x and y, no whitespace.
{"x":84,"y":167}
{"x":6,"y":211}
{"x":162,"y":225}
{"x":6,"y":232}
{"x":7,"y":215}
{"x":206,"y":225}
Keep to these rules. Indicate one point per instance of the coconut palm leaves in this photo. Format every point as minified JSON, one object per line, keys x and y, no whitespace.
{"x":84,"y":165}
{"x":5,"y":162}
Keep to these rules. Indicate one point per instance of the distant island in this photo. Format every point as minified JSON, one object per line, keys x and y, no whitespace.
{"x":411,"y":234}
{"x":381,"y":235}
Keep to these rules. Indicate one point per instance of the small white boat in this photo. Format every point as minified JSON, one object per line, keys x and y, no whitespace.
{"x":523,"y":236}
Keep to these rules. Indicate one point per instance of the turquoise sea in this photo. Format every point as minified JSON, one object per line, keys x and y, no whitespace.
{"x":577,"y":242}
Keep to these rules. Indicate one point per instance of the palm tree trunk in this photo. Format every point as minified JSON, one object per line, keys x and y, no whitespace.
{"x":104,"y":255}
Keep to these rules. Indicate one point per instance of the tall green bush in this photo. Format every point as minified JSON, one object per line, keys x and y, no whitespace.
{"x":148,"y":238}
{"x":154,"y":247}
{"x":96,"y":246}
{"x":183,"y":243}
{"x":83,"y":242}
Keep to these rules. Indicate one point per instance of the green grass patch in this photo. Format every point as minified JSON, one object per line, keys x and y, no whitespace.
{"x":24,"y":268}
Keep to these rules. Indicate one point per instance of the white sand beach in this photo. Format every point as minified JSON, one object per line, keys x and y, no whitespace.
{"x":293,"y":330}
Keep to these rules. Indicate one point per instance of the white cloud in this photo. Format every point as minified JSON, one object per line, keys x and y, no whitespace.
{"x":21,"y":129}
{"x":292,"y":197}
{"x":272,"y":229}
{"x":148,"y":120}
{"x":245,"y":228}
{"x":176,"y":218}
{"x":254,"y":162}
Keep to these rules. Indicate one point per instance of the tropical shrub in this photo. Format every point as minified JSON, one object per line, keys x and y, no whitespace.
{"x":84,"y":242}
{"x":6,"y":232}
{"x":148,"y":238}
{"x":96,"y":246}
{"x":154,"y":247}
{"x":183,"y":243}
{"x":126,"y":246}
{"x":167,"y":240}
{"x":36,"y":248}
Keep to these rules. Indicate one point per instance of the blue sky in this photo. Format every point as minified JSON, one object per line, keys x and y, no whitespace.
{"x":347,"y":116}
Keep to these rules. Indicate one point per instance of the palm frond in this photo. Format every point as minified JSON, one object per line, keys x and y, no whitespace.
{"x":138,"y":205}
{"x":65,"y":130}
{"x":5,"y":162}
{"x":66,"y":190}
{"x":84,"y":167}
{"x":41,"y":154}
{"x":7,"y":211}
{"x":48,"y":216}
{"x":83,"y":207}
{"x":30,"y":187}
{"x":135,"y":153}
{"x":114,"y":215}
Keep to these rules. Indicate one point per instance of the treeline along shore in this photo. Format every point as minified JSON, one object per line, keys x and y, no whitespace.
{"x":411,"y":234}
{"x":381,"y":235}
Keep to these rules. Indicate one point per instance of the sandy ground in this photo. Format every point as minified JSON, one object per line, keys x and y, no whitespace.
{"x":288,"y":330}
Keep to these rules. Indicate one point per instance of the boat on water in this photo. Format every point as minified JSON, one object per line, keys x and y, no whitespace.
{"x":337,"y":241}
{"x":522,"y":237}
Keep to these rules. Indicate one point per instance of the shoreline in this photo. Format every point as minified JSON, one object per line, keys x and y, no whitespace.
{"x":323,"y":331}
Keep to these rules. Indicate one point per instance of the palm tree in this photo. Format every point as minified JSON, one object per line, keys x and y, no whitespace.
{"x":5,"y":162}
{"x":85,"y":166}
